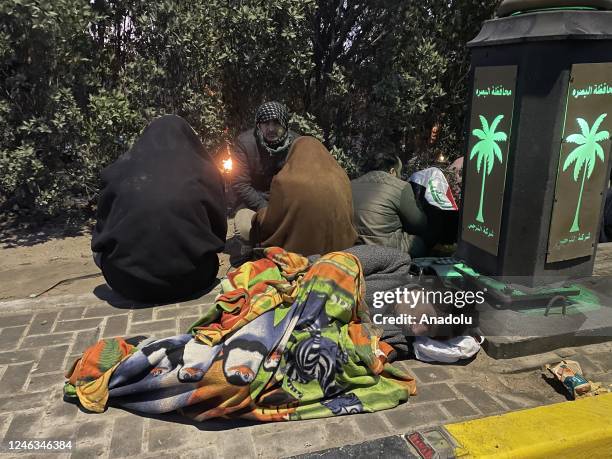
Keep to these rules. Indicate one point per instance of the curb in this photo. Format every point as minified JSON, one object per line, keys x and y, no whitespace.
{"x":580,"y":428}
{"x":574,"y":429}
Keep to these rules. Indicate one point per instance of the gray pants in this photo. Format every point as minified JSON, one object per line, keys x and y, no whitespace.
{"x":243,"y":223}
{"x":241,"y":249}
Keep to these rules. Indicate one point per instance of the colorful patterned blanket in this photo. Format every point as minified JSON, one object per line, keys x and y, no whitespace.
{"x":284,"y":341}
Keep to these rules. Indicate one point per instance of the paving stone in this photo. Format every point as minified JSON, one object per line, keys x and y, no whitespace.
{"x":185,"y":311}
{"x":71,"y":359}
{"x":517,"y":402}
{"x":142,"y":315}
{"x":372,"y":424}
{"x":169,"y":436}
{"x":604,"y":378}
{"x":87,"y":451}
{"x":9,"y":337}
{"x":566,"y":352}
{"x":409,"y":365}
{"x":432,"y":393}
{"x":127,"y":436}
{"x":597,"y":348}
{"x":34,"y":456}
{"x":196,"y":302}
{"x":52,"y":359}
{"x":14,"y":378}
{"x":5,"y":420}
{"x":39,"y":342}
{"x":603,"y":360}
{"x":410,"y":417}
{"x":202,"y":453}
{"x":341,"y":433}
{"x":431,"y":374}
{"x":459,"y":408}
{"x":524,"y":364}
{"x":294,"y":440}
{"x":77,"y":325}
{"x":147,"y":328}
{"x":42,"y":323}
{"x":162,"y":334}
{"x":165,"y":312}
{"x":19,"y":356}
{"x":479,"y":398}
{"x":44,"y":382}
{"x":65,"y":432}
{"x":94,"y":430}
{"x":71,"y":313}
{"x":100,"y":311}
{"x":239,"y":446}
{"x":588,"y":366}
{"x":186,"y":322}
{"x":207,"y":299}
{"x":22,"y":427}
{"x":22,"y":402}
{"x":60,"y":412}
{"x":116,"y":326}
{"x":84,"y":339}
{"x":12,"y":321}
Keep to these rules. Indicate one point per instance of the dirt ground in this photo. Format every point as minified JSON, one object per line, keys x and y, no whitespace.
{"x":51,"y":260}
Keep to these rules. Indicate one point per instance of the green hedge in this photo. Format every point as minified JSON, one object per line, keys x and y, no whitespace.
{"x":79,"y":80}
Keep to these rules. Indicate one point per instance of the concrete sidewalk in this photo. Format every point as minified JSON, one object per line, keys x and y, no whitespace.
{"x":41,"y":337}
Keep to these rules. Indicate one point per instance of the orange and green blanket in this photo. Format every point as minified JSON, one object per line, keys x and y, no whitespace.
{"x":285,"y":340}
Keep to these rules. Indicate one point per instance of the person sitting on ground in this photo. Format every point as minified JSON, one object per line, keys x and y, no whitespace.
{"x":258,"y":155}
{"x":386,"y":211}
{"x":161,"y":216}
{"x":310,"y":210}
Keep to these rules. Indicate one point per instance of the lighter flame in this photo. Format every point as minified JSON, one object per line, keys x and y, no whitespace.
{"x":227,"y":165}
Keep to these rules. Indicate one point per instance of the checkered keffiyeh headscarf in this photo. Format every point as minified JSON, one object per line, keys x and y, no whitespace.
{"x":272,"y":111}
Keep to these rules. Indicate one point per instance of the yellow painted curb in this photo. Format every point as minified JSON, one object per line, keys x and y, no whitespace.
{"x":576,"y":429}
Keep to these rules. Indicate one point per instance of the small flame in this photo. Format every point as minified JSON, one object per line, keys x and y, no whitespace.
{"x":227,"y":165}
{"x":441,"y":158}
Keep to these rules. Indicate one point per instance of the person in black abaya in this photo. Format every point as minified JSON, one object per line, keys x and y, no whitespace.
{"x":161,"y":216}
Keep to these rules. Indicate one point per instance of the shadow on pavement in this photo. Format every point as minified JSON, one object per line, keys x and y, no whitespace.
{"x":105,"y":293}
{"x":211,"y":425}
{"x":557,"y":386}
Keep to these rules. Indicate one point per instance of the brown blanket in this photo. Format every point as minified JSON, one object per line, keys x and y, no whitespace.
{"x":310,"y":209}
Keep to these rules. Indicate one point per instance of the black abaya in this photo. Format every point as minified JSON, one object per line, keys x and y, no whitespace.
{"x":161,"y":216}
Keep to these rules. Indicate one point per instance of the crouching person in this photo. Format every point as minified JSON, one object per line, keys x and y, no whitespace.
{"x":386,"y":211}
{"x":310,"y":209}
{"x":161,"y":216}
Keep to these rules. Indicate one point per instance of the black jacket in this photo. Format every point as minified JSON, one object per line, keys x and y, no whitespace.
{"x":254,"y":168}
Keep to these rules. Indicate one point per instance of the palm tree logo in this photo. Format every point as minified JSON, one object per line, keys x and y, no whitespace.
{"x":487,"y":150}
{"x":585,"y":156}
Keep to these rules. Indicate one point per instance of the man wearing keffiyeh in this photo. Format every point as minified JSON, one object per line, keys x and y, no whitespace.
{"x":258,"y":155}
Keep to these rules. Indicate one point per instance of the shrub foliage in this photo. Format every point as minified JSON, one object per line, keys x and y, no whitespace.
{"x":80,"y":79}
